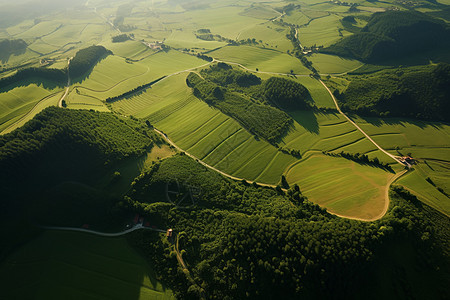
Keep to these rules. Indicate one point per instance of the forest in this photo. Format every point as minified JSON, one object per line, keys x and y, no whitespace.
{"x":261,"y":120}
{"x":393,"y":34}
{"x":241,"y":241}
{"x":415,"y":92}
{"x":61,"y":145}
{"x":287,"y":94}
{"x":85,"y":60}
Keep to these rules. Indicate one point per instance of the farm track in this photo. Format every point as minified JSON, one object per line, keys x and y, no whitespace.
{"x":104,"y":234}
{"x":60,"y":103}
{"x":359,"y":128}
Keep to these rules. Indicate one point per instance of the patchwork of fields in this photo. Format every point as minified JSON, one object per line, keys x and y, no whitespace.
{"x":261,"y":45}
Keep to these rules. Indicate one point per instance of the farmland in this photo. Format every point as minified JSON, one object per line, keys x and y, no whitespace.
{"x":194,"y":126}
{"x":289,"y":146}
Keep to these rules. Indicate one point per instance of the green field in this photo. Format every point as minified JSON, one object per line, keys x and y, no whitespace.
{"x":71,"y":265}
{"x":322,"y":31}
{"x":105,"y":80}
{"x":265,"y":60}
{"x":426,"y":142}
{"x":19,"y":101}
{"x":343,"y":187}
{"x":204,"y":131}
{"x":330,"y":64}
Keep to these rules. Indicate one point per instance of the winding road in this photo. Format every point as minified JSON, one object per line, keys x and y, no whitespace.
{"x":105,"y":234}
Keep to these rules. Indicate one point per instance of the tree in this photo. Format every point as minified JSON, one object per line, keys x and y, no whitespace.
{"x":284,"y":182}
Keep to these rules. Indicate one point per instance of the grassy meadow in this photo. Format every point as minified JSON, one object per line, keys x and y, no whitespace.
{"x":265,"y":60}
{"x":16,"y":102}
{"x":71,"y":265}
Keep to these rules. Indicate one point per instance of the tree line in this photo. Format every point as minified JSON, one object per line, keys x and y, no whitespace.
{"x":261,"y":120}
{"x":361,"y":159}
{"x":136,"y":90}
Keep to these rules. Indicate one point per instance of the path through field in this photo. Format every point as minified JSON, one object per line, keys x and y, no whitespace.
{"x":105,"y":234}
{"x":359,"y":128}
{"x":60,"y":103}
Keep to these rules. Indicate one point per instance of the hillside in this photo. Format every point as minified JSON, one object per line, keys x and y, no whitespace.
{"x":65,"y":158}
{"x":393,"y":34}
{"x":243,"y":241}
{"x":264,"y":121}
{"x":85,"y":59}
{"x":421,"y":92}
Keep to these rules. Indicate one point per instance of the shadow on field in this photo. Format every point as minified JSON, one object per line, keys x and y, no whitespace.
{"x":44,"y":83}
{"x":404,"y":122}
{"x":307,"y":119}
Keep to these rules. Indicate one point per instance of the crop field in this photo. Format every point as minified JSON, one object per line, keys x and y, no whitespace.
{"x":225,"y":20}
{"x":73,"y":265}
{"x":296,"y":17}
{"x":270,"y":35}
{"x":12,"y":124}
{"x":186,"y":39}
{"x":321,"y":31}
{"x":265,"y":60}
{"x":106,"y":82}
{"x":17,"y":102}
{"x":426,"y":142}
{"x":76,"y":101}
{"x":330,"y":64}
{"x":342,"y":186}
{"x":204,"y":131}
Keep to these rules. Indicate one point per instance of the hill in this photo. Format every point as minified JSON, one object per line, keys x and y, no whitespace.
{"x":244,"y":241}
{"x":234,"y":98}
{"x":85,"y":59}
{"x":65,"y":159}
{"x":393,"y":34}
{"x":420,"y":92}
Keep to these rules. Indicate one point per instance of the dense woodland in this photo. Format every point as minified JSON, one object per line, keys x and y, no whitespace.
{"x":287,"y":93}
{"x":243,"y":241}
{"x":393,"y":34}
{"x":67,"y":154}
{"x":416,"y":92}
{"x":231,"y":92}
{"x":120,"y":38}
{"x":85,"y":60}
